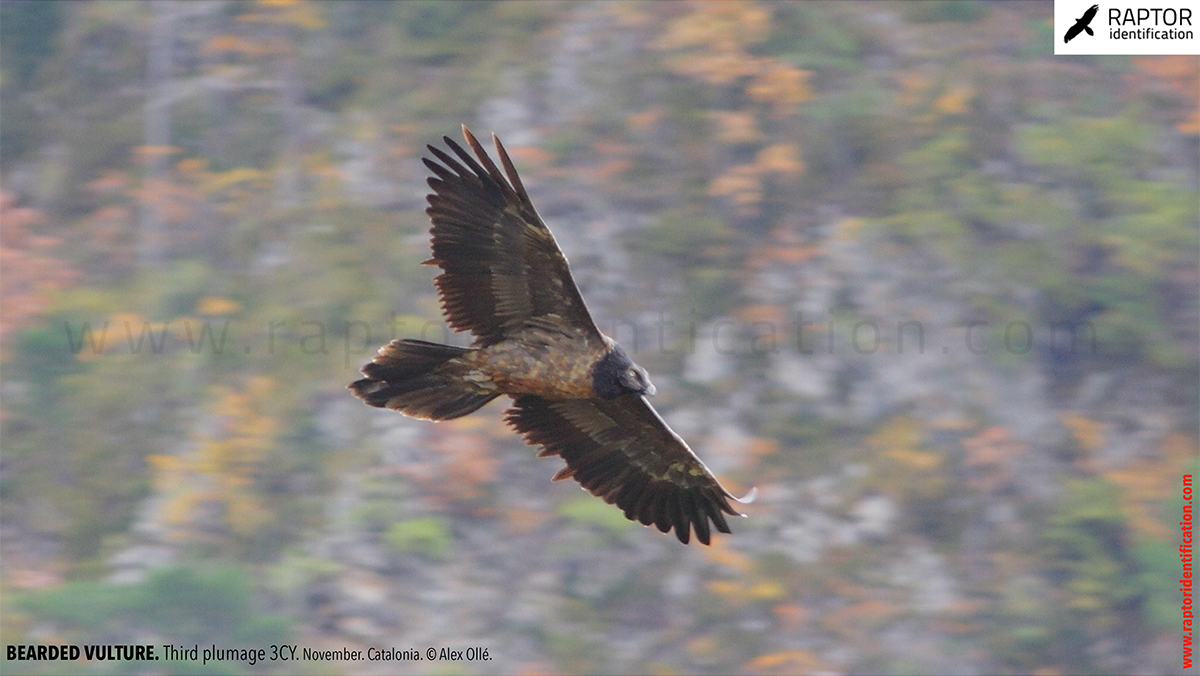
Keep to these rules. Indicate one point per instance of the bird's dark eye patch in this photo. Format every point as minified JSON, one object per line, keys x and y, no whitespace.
{"x":612,"y":373}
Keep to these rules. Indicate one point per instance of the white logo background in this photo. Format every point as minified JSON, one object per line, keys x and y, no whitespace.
{"x":1067,"y":12}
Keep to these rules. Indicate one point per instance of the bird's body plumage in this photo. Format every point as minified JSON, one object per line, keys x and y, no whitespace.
{"x":575,"y":392}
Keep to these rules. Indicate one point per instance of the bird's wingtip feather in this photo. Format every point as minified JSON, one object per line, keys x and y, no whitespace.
{"x":747,"y":498}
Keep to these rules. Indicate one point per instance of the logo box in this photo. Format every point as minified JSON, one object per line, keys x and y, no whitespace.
{"x":1126,"y":27}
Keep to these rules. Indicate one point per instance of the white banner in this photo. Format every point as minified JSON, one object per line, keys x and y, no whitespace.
{"x":1126,"y":27}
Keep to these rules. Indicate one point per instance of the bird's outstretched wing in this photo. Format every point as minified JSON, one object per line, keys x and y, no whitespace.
{"x":621,"y":450}
{"x":500,"y":265}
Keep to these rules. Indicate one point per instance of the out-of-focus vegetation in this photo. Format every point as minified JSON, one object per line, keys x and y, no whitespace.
{"x":212,"y":215}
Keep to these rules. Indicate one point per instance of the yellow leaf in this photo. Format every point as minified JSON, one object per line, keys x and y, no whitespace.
{"x":156,"y":151}
{"x":741,"y":183}
{"x":720,"y":554}
{"x":790,"y":615}
{"x":782,"y":85}
{"x":190,"y":165}
{"x":225,"y":179}
{"x":780,"y":158}
{"x":736,"y":126}
{"x":849,"y":228}
{"x":1087,"y":432}
{"x":727,"y":25}
{"x":766,"y":590}
{"x":644,"y":120}
{"x":955,"y":100}
{"x":916,"y":459}
{"x":724,"y":587}
{"x":786,"y":661}
{"x":216,"y":305}
{"x":703,"y":646}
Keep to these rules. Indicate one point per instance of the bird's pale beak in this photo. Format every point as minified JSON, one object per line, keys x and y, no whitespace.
{"x":650,"y":389}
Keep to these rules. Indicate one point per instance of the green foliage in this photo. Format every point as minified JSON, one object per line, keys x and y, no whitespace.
{"x":91,"y":487}
{"x":1102,"y":245}
{"x":807,"y":34}
{"x":427,"y":536}
{"x":586,"y":510}
{"x":934,"y":11}
{"x":1027,"y":637}
{"x":180,"y":604}
{"x":374,"y":516}
{"x":684,"y":235}
{"x":28,"y":30}
{"x":1086,"y":550}
{"x":705,"y":249}
{"x":574,"y":651}
{"x":1160,"y":567}
{"x":1141,"y":229}
{"x":41,"y":361}
{"x":177,"y":290}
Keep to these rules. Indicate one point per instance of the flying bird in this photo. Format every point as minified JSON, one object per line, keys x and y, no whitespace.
{"x":575,"y":392}
{"x":1081,"y":24}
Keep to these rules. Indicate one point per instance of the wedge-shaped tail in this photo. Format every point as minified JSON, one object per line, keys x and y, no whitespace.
{"x":423,"y":380}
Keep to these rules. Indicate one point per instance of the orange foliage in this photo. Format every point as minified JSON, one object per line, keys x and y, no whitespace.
{"x":858,"y":619}
{"x":780,"y":158}
{"x":460,"y":463}
{"x":229,"y":43}
{"x":735,"y":126}
{"x":1176,"y":77}
{"x":720,"y":554}
{"x":176,"y":203}
{"x":990,"y":456}
{"x":146,"y":152}
{"x":741,"y":183}
{"x":955,"y":100}
{"x":900,"y":440}
{"x":785,"y":662}
{"x":303,"y":13}
{"x":110,"y":181}
{"x":782,"y":85}
{"x":1088,"y":434}
{"x":520,"y":521}
{"x":216,"y":305}
{"x":709,"y":43}
{"x":531,"y":155}
{"x":786,"y":247}
{"x":770,"y":314}
{"x":645,"y":120}
{"x":759,"y":446}
{"x":790,"y":616}
{"x":31,"y":271}
{"x":724,"y":26}
{"x":741,"y":591}
{"x":1146,"y":483}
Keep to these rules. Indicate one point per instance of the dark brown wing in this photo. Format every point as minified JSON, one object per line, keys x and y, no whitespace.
{"x":622,"y":451}
{"x":500,"y":264}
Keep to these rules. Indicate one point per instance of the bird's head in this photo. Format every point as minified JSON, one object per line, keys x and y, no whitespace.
{"x":616,"y":374}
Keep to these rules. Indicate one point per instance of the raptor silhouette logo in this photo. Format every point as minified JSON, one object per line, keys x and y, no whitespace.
{"x":1081,"y":24}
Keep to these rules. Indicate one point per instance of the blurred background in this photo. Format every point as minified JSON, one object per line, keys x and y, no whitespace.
{"x":930,"y":289}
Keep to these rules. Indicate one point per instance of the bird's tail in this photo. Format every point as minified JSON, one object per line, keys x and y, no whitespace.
{"x":423,"y":380}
